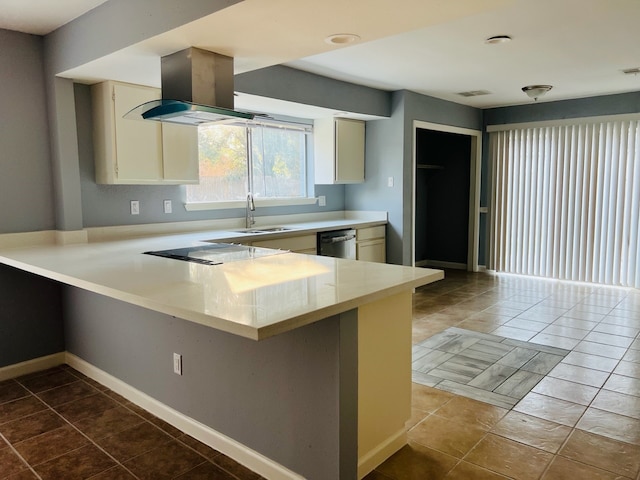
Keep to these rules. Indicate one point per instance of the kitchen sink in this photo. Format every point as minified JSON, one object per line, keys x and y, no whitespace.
{"x":264,"y":230}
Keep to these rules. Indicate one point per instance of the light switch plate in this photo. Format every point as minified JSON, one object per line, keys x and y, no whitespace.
{"x":390,"y":182}
{"x":167,"y":206}
{"x":135,"y":207}
{"x":322,"y":201}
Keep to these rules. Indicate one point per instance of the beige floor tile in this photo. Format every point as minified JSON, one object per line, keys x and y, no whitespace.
{"x":619,"y":403}
{"x":452,"y":438}
{"x":602,"y":452}
{"x":428,"y":399}
{"x":549,"y":408}
{"x":612,"y":425}
{"x":564,"y":469}
{"x":415,"y":462}
{"x":565,"y":390}
{"x":532,"y":431}
{"x":471,"y":412}
{"x":509,"y":458}
{"x":468,"y":471}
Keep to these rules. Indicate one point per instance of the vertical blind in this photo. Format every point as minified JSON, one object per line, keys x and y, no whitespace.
{"x":566,"y":202}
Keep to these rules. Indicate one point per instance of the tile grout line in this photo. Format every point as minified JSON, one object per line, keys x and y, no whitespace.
{"x":10,"y":445}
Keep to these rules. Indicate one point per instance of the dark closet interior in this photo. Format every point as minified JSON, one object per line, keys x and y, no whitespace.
{"x":443,"y":163}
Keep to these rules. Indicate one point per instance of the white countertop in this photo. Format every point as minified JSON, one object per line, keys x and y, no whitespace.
{"x":254,"y":298}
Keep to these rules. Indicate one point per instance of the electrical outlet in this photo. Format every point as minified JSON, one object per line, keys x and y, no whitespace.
{"x":322,"y":201}
{"x":177,"y":364}
{"x":167,"y":206}
{"x":135,"y":207}
{"x":390,"y":182}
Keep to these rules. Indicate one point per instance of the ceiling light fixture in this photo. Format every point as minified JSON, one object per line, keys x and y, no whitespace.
{"x":536,"y":91}
{"x":342,"y":39}
{"x":496,"y":39}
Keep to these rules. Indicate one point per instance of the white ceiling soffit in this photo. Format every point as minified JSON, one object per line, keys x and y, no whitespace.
{"x":259,"y":34}
{"x":40,"y":17}
{"x":578,"y":46}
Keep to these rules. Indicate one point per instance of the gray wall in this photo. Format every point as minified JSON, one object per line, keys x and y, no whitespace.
{"x":282,"y":396}
{"x":30,"y":317}
{"x":26,"y":193}
{"x":390,"y":153}
{"x":30,"y":308}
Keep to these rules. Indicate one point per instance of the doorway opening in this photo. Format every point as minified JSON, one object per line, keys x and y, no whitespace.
{"x":446,"y":193}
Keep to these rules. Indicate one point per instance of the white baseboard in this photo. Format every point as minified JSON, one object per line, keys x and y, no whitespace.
{"x":439,"y":264}
{"x":31,"y":366}
{"x":237,"y":451}
{"x":370,"y":460}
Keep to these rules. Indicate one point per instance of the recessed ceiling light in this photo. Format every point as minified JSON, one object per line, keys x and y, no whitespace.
{"x":342,"y":39}
{"x":498,"y":39}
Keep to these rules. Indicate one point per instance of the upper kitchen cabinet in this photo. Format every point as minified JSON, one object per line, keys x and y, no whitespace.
{"x":135,"y":152}
{"x":338,"y":150}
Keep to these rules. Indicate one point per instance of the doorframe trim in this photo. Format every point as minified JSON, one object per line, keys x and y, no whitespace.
{"x":475,"y":166}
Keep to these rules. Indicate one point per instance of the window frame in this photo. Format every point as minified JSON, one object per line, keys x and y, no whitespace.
{"x":309,"y":199}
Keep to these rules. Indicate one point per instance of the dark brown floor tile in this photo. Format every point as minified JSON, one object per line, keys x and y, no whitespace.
{"x":564,"y":469}
{"x":428,"y":399}
{"x":602,"y":452}
{"x":134,"y":441}
{"x":115,"y":473}
{"x":415,"y":462}
{"x":23,"y":475}
{"x":472,"y":412}
{"x":20,"y":408}
{"x":108,"y":422}
{"x":66,"y":393}
{"x":165,"y":462}
{"x":78,"y":464}
{"x":468,"y":471}
{"x":11,"y":390}
{"x":51,"y":444}
{"x":86,"y":407}
{"x":206,"y":471}
{"x":204,"y":450}
{"x":509,"y":458}
{"x":532,"y":431}
{"x":118,"y":398}
{"x":98,"y":386}
{"x":40,"y":373}
{"x":166,"y":427}
{"x":138,"y":410}
{"x":233,"y":467}
{"x":444,"y":435}
{"x":10,"y":463}
{"x":27,"y":427}
{"x":56,"y":378}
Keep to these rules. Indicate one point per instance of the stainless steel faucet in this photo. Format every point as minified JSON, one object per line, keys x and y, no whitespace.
{"x":251,"y":207}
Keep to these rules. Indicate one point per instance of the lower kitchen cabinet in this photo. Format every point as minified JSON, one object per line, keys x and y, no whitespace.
{"x":371,"y":244}
{"x":298,"y":244}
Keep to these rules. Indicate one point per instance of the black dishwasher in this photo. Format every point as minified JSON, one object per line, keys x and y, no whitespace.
{"x":338,"y":243}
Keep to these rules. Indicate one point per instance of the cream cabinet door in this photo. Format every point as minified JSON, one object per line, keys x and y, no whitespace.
{"x":349,"y":161}
{"x":138,"y":144}
{"x":180,"y":153}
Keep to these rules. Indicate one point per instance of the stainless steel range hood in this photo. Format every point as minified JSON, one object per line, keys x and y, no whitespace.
{"x":197,"y":88}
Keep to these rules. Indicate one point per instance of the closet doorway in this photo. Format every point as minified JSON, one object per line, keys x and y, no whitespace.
{"x":446,"y":194}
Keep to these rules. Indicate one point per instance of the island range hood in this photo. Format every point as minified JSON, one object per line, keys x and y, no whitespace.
{"x":197,"y":89}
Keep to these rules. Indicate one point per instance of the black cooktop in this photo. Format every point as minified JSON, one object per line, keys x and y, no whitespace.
{"x":215,"y":253}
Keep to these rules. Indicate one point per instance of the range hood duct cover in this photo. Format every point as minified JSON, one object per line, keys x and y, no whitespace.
{"x":197,"y":88}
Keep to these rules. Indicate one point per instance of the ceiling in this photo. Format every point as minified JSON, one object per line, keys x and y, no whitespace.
{"x":433,"y":47}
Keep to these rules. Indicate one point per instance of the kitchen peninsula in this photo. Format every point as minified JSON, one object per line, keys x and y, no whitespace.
{"x":296,"y":365}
